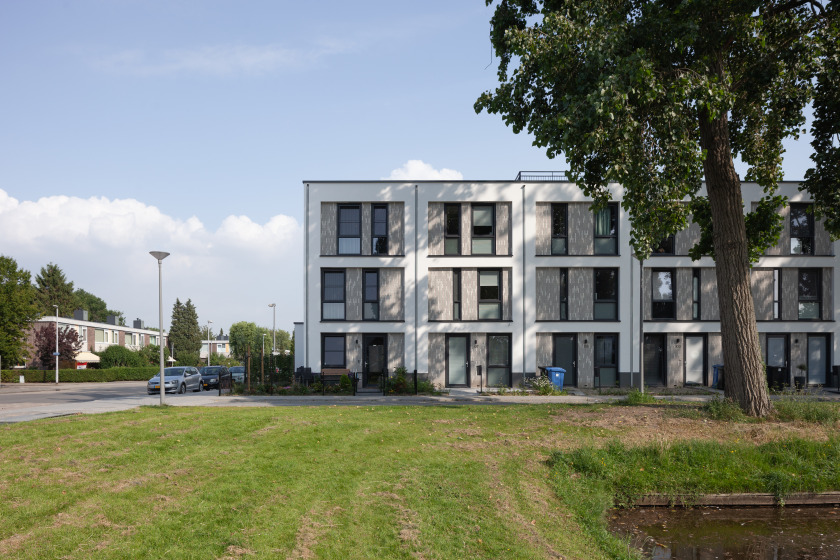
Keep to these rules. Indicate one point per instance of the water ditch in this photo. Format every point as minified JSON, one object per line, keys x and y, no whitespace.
{"x":758,"y":533}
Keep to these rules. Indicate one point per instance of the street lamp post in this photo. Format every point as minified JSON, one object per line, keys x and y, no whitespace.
{"x":273,"y":307}
{"x":209,"y":322}
{"x":262,"y":361}
{"x":160,"y":255}
{"x":56,"y":343}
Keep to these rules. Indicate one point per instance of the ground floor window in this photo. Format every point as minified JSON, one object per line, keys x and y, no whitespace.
{"x":498,"y":360}
{"x":606,"y":359}
{"x":333,"y":351}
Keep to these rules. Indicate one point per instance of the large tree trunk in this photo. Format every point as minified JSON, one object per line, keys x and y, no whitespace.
{"x":745,"y":376}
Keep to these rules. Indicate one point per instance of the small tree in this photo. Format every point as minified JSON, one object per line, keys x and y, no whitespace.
{"x":69,"y":344}
{"x":54,"y":289}
{"x":17,"y":311}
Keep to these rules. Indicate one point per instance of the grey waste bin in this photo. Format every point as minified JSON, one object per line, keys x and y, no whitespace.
{"x":555,"y":374}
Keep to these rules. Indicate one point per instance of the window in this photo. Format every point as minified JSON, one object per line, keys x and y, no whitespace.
{"x":489,"y":294}
{"x":665,"y":247}
{"x":370,"y":306}
{"x":483,"y":229}
{"x":777,"y":294}
{"x":662,"y":294}
{"x":349,"y":230}
{"x":606,"y":355}
{"x":379,"y":233}
{"x":456,"y":294}
{"x":332,"y":349}
{"x":809,"y":293}
{"x":498,"y":360}
{"x":695,"y":294}
{"x":606,"y":230}
{"x":801,"y":229}
{"x":559,"y":229}
{"x":564,"y":294}
{"x":452,"y":229}
{"x":606,"y":293}
{"x":220,"y":348}
{"x":333,"y":295}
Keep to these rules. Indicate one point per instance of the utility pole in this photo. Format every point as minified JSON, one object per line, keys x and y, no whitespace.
{"x":56,"y":344}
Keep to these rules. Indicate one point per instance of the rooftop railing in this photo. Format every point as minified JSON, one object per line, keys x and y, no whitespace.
{"x":542,"y":176}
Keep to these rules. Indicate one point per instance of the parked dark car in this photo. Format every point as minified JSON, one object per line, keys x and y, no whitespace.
{"x":210,"y":376}
{"x":177,"y":380}
{"x":238,"y":373}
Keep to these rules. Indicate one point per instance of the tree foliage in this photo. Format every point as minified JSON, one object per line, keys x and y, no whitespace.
{"x":69,"y":344}
{"x":17,"y":310}
{"x":54,"y":289}
{"x":244,"y":333}
{"x":96,"y":307}
{"x":184,"y":332}
{"x":120,"y":356}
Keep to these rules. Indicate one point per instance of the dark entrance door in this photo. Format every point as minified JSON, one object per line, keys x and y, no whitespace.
{"x":374,"y":358}
{"x":457,"y":361}
{"x":565,"y":356}
{"x":778,"y":372}
{"x":655,"y":359}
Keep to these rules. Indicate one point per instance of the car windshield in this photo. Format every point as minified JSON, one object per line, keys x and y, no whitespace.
{"x":174,"y":371}
{"x":211,"y":370}
{"x":237,"y":369}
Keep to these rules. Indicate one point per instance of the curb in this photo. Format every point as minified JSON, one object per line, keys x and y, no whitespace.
{"x":741,"y":500}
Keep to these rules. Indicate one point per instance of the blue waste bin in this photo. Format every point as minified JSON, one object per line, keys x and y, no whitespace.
{"x":555,"y":374}
{"x":717,"y":378}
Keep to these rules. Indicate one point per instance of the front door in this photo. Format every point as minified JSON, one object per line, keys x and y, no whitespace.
{"x":565,"y":356}
{"x":655,"y":359}
{"x":817,"y":359}
{"x":457,"y":361}
{"x":498,"y":360}
{"x":375,"y":362}
{"x":695,"y":360}
{"x":778,"y":374}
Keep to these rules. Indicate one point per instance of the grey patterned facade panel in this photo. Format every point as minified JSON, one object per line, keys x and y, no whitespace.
{"x":391,"y":294}
{"x":478,"y":356}
{"x":366,"y":228}
{"x":353,"y":350}
{"x":543,"y":228}
{"x":827,"y":294}
{"x":436,"y":228}
{"x":503,"y":229}
{"x":329,"y":228}
{"x":437,"y":358}
{"x":586,"y":359}
{"x":675,"y":376}
{"x":396,"y":351}
{"x":469,"y":294}
{"x":709,"y":304}
{"x":396,"y":228}
{"x":580,"y":229}
{"x":353,"y":295}
{"x":798,"y":354}
{"x":440,"y":294}
{"x":507,"y":295}
{"x":762,"y":293}
{"x":581,"y":294}
{"x":683,"y":294}
{"x":822,"y":239}
{"x":545,"y":349}
{"x":762,"y":341}
{"x":783,"y":246}
{"x":646,"y":295}
{"x":466,"y":228}
{"x":548,"y":294}
{"x":714,"y":349}
{"x":790,"y":294}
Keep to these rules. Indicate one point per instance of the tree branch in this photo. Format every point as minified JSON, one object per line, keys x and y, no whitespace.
{"x":794,"y":4}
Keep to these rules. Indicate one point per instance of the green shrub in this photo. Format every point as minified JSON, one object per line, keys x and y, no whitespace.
{"x":724,"y":409}
{"x":119,"y":356}
{"x":143,"y":373}
{"x":636,"y":397}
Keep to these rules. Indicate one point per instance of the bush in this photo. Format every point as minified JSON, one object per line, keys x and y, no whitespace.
{"x":119,"y":356}
{"x":636,"y":397}
{"x":143,"y":373}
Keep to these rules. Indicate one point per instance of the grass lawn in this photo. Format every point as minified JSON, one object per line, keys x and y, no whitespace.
{"x":331,"y":482}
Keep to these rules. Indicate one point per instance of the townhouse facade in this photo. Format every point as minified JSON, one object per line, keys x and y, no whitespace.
{"x":485,"y":282}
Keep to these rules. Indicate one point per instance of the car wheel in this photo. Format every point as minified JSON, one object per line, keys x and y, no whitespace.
{"x":182,"y":389}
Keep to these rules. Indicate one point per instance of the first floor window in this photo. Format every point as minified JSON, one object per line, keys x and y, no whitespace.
{"x":483,"y":229}
{"x":665,"y":247}
{"x":777,"y":292}
{"x":371,"y":292}
{"x":606,"y":359}
{"x":801,"y":229}
{"x":379,"y":226}
{"x":333,"y":351}
{"x":489,"y":294}
{"x":662,"y":294}
{"x":350,"y":230}
{"x":606,"y":230}
{"x":456,"y":294}
{"x":559,"y":229}
{"x":451,"y":229}
{"x":695,"y":294}
{"x":809,"y":293}
{"x":333,"y":295}
{"x":606,"y":294}
{"x":564,"y":294}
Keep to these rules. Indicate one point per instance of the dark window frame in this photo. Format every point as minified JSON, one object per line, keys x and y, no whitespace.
{"x":508,"y":366}
{"x":613,"y":208}
{"x":365,"y":299}
{"x":777,"y":293}
{"x":491,"y":236}
{"x":816,"y":298}
{"x":446,"y":234}
{"x":457,"y":289}
{"x":564,"y":294}
{"x":340,"y":235}
{"x":808,"y":230}
{"x":667,"y":308}
{"x":498,"y":301}
{"x":324,"y":363}
{"x":666,"y":247}
{"x":595,"y":299}
{"x":597,"y":365}
{"x":382,"y":240}
{"x":563,"y":208}
{"x":696,"y":294}
{"x":324,"y":299}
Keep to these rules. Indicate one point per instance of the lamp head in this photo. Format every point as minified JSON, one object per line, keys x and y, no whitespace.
{"x":159,"y":255}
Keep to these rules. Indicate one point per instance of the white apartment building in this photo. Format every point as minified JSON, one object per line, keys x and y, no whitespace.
{"x":450,"y":278}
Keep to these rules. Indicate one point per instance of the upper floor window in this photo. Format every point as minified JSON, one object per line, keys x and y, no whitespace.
{"x":695,"y":294}
{"x":332,"y":351}
{"x":483,"y":229}
{"x":452,"y":229}
{"x":379,"y":230}
{"x":559,"y":229}
{"x":606,"y":230}
{"x":370,"y":307}
{"x":810,"y":301}
{"x":606,"y":293}
{"x":665,"y":247}
{"x":662,"y":294}
{"x":456,"y":294}
{"x":564,"y":294}
{"x":777,"y":294}
{"x":489,"y":294}
{"x":350,"y":230}
{"x":333,"y":295}
{"x":801,"y":229}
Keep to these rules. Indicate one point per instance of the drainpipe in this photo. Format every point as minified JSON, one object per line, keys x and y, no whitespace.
{"x":641,"y":326}
{"x":524,"y":286}
{"x":306,"y":277}
{"x":416,"y":217}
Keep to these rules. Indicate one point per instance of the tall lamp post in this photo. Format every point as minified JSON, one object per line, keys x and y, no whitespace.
{"x":56,"y":343}
{"x":209,"y":322}
{"x":160,"y":255}
{"x":273,"y":307}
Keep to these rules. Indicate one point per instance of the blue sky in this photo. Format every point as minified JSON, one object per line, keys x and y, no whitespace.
{"x":189,"y":126}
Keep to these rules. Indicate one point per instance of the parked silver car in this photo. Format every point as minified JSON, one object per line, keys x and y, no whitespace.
{"x":238,"y":374}
{"x":177,"y":380}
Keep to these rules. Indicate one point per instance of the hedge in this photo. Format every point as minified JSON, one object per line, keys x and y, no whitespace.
{"x":80,"y":375}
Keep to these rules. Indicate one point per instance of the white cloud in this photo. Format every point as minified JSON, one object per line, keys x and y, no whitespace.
{"x":102,"y":246}
{"x":417,"y":170}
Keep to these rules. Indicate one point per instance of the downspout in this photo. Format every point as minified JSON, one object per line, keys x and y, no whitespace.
{"x":524,"y":286}
{"x":641,"y":327}
{"x":632,"y":363}
{"x":416,"y":290}
{"x":306,"y":276}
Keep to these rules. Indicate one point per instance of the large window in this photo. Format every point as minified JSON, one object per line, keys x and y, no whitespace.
{"x":452,"y":229}
{"x":370,"y":306}
{"x":332,"y":350}
{"x":606,"y":294}
{"x":483,"y":229}
{"x":662,"y":294}
{"x":559,"y":229}
{"x":456,"y":294}
{"x":379,"y":230}
{"x":606,"y":230}
{"x":810,"y":301}
{"x":498,"y":360}
{"x":606,"y":359}
{"x":801,"y":229}
{"x":350,"y":230}
{"x":332,"y":297}
{"x":489,"y":294}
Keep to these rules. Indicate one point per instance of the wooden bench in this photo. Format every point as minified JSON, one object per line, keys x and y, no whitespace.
{"x":333,"y":375}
